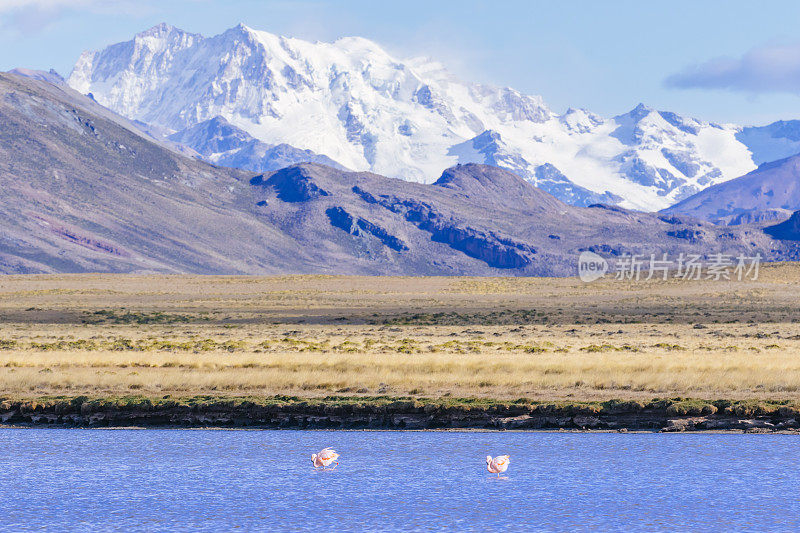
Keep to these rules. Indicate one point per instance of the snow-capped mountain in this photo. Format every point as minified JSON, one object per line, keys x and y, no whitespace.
{"x":352,"y":102}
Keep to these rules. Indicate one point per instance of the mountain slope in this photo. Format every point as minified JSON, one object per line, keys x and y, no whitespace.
{"x":356,"y":104}
{"x":83,"y":190}
{"x":768,"y":193}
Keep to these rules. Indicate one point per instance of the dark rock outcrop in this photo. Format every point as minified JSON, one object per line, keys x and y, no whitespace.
{"x":688,"y":234}
{"x":355,"y":226}
{"x":293,"y":184}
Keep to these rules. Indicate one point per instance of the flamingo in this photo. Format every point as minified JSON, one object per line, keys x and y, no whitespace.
{"x":497,"y":464}
{"x":324,"y":458}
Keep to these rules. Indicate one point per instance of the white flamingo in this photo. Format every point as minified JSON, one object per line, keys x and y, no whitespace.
{"x":498,"y":464}
{"x":324,"y":458}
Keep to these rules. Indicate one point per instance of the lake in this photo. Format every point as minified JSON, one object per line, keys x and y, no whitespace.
{"x":214,"y":480}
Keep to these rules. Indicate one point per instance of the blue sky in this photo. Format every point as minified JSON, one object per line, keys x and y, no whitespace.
{"x":726,"y":61}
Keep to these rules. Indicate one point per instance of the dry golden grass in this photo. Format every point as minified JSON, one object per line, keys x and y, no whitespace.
{"x":321,"y":335}
{"x":500,"y":375}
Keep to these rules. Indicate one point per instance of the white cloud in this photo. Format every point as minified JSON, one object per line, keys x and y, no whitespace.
{"x":769,"y":68}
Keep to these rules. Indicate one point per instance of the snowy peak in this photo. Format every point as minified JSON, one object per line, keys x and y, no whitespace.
{"x":580,"y":120}
{"x":159,"y":31}
{"x":643,"y":124}
{"x":150,"y":52}
{"x":636,"y":114}
{"x":163,"y":37}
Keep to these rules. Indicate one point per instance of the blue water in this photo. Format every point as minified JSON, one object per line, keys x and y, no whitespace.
{"x":178,"y":480}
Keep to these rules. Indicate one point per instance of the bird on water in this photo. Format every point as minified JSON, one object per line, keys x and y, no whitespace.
{"x":325,"y":458}
{"x":497,"y":465}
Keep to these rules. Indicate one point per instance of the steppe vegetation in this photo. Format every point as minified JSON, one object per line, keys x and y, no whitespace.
{"x":316,"y":336}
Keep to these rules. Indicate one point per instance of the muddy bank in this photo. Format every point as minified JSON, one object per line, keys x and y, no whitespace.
{"x":392,"y":413}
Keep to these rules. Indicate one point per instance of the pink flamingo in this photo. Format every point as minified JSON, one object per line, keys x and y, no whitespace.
{"x":324,"y":458}
{"x":498,"y":464}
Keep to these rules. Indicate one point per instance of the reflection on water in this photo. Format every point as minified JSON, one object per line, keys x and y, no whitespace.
{"x":157,"y":480}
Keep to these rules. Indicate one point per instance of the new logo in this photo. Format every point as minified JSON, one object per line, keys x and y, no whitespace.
{"x":591,"y":266}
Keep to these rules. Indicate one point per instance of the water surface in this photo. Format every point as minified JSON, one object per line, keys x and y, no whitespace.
{"x":206,"y":480}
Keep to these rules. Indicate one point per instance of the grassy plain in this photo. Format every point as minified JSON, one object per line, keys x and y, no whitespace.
{"x":316,"y":336}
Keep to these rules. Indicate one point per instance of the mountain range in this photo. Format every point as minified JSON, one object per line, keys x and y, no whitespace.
{"x":86,"y":190}
{"x":256,"y":100}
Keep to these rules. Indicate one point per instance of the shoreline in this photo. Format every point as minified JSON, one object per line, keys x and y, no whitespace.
{"x":403,"y":413}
